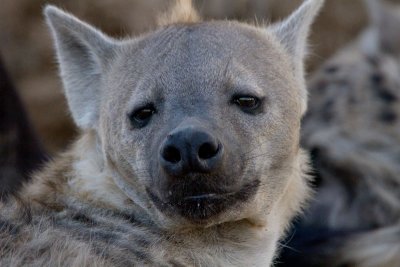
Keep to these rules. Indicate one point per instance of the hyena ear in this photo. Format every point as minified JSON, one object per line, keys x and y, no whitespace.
{"x":385,"y":22}
{"x":293,"y":32}
{"x":83,"y":53}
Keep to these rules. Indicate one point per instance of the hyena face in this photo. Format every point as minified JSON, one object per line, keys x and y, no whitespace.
{"x":201,"y":119}
{"x":198,"y":122}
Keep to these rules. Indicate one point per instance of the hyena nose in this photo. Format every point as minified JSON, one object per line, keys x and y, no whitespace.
{"x":190,"y":150}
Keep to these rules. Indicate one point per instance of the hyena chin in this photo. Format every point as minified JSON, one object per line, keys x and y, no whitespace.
{"x":189,"y":154}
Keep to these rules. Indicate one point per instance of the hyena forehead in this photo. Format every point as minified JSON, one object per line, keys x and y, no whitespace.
{"x":205,"y":57}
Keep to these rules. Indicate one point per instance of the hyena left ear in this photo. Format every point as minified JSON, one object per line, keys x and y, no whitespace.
{"x":293,"y":32}
{"x":83,"y":53}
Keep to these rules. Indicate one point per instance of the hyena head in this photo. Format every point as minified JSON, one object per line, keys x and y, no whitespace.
{"x":198,"y":121}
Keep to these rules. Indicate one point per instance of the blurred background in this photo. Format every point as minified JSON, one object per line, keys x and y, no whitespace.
{"x":26,"y":46}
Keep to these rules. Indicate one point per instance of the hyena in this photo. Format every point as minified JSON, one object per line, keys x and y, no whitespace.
{"x":189,"y":153}
{"x":353,"y":131}
{"x":20,"y":150}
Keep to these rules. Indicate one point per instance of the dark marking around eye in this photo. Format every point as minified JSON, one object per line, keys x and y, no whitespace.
{"x":248,"y":104}
{"x":142,"y":116}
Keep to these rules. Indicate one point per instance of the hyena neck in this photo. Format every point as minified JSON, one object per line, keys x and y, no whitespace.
{"x":92,"y":182}
{"x":239,"y":243}
{"x":80,"y":178}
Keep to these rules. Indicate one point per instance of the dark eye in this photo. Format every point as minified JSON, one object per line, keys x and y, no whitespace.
{"x":248,"y":104}
{"x":141,"y":117}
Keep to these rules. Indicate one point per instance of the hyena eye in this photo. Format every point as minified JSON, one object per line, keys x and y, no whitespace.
{"x":248,"y":104}
{"x":141,"y":117}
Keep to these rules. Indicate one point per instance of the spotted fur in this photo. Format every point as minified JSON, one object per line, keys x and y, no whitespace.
{"x":353,"y":131}
{"x":94,"y":204}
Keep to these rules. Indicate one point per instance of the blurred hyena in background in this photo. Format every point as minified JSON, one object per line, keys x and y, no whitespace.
{"x":353,"y":132}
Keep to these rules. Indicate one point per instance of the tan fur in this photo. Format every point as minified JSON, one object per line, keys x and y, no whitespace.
{"x":94,"y":203}
{"x":62,"y":183}
{"x":182,"y":12}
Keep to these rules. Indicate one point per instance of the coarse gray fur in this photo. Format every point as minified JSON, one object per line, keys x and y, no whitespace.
{"x":107,"y":201}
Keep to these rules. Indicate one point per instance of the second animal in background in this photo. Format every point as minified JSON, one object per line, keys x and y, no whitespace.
{"x":353,"y":131}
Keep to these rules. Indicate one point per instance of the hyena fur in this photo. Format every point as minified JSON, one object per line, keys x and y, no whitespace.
{"x":189,"y":153}
{"x":353,"y":131}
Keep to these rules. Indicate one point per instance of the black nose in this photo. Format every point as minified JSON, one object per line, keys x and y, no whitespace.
{"x":190,"y":150}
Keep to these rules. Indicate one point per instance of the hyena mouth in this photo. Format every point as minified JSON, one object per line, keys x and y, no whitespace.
{"x":199,"y":207}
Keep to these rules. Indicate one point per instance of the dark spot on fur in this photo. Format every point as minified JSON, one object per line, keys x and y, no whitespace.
{"x":8,"y":227}
{"x":373,"y":61}
{"x":131,"y":218}
{"x":386,"y":95}
{"x":321,"y":86}
{"x":331,"y":69}
{"x":350,"y":178}
{"x":388,"y":116}
{"x":142,"y":242}
{"x":377,"y":78}
{"x":101,"y":234}
{"x":80,"y":217}
{"x":352,"y":100}
{"x":327,"y":111}
{"x":141,"y":255}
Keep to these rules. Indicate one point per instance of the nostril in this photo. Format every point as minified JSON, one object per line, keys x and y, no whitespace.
{"x":171,"y":154}
{"x":208,"y":150}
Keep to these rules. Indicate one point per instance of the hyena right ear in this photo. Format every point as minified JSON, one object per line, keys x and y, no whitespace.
{"x":83,"y":53}
{"x":293,"y":32}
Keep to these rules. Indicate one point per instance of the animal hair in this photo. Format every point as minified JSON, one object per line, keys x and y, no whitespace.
{"x":189,"y":150}
{"x":182,"y":12}
{"x":352,"y":130}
